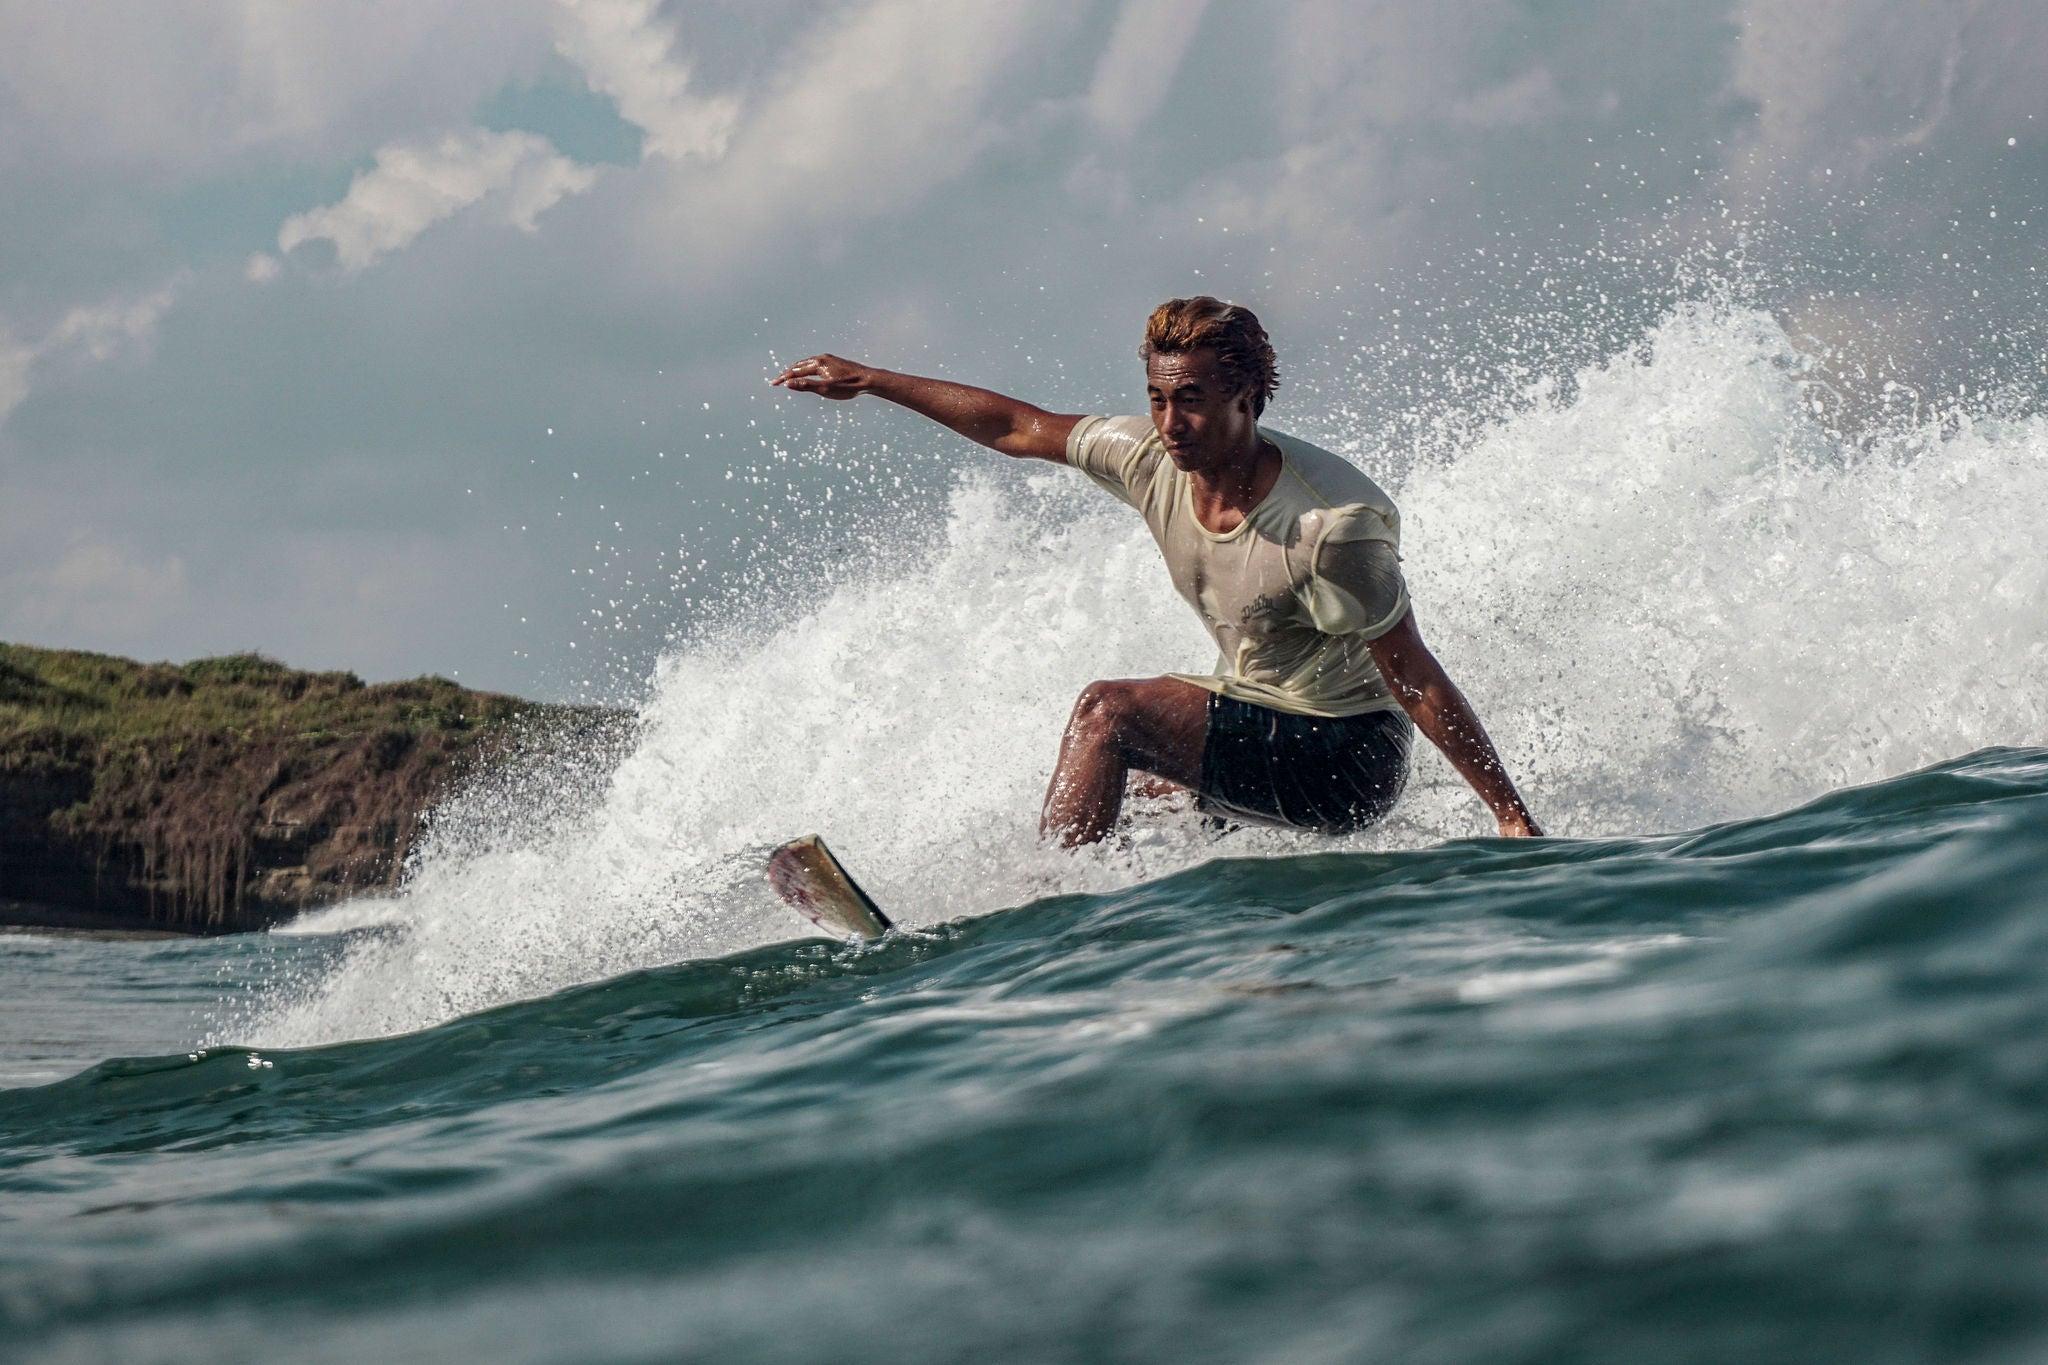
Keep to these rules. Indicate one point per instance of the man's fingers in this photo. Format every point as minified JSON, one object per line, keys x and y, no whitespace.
{"x":805,"y":374}
{"x":825,"y":375}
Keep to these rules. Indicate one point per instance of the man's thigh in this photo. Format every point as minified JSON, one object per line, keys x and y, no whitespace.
{"x":1164,"y":725}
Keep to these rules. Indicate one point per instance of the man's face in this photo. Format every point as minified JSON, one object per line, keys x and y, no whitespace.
{"x":1203,"y":422}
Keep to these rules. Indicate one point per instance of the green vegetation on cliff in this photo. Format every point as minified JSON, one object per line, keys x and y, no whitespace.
{"x":225,"y":793}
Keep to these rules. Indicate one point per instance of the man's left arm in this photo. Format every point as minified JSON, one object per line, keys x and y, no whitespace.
{"x":1441,"y":712}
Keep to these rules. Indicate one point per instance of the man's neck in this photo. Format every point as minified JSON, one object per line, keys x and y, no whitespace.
{"x":1225,"y":495}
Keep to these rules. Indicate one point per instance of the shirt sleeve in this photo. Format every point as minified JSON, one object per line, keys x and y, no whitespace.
{"x":1356,"y":587}
{"x":1108,"y":450}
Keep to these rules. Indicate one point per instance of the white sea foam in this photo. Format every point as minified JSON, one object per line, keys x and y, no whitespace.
{"x":1679,"y":599}
{"x":1674,"y":597}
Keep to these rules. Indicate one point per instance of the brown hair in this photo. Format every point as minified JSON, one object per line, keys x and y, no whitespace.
{"x":1201,"y":323}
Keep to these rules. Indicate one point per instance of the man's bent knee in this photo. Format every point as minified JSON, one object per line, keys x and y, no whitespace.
{"x":1105,"y":709}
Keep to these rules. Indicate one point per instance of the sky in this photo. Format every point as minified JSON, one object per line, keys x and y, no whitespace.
{"x":432,"y":336}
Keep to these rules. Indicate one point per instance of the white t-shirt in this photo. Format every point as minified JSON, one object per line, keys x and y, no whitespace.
{"x":1294,"y":593}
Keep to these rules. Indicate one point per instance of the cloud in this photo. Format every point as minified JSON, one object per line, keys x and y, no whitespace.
{"x":83,"y":335}
{"x":16,"y":360}
{"x":176,"y":86}
{"x":1138,"y":65}
{"x":623,"y":51}
{"x":416,"y":185}
{"x":1531,"y":97}
{"x":857,"y":122}
{"x":895,"y":96}
{"x":906,"y":174}
{"x":1848,"y":85}
{"x":100,"y":332}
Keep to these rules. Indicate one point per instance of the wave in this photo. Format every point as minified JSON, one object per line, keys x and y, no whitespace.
{"x":1477,"y":1097}
{"x":1862,"y":874}
{"x":1675,"y":593}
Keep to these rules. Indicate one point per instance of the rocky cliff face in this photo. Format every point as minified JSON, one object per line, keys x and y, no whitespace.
{"x":226,"y":794}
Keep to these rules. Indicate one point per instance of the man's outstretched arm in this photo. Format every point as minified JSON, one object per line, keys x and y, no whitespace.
{"x":1009,"y":425}
{"x":1441,"y":712}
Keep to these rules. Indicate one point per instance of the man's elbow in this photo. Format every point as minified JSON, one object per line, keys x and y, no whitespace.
{"x":1033,"y":436}
{"x":1425,"y":698}
{"x":1414,"y":698}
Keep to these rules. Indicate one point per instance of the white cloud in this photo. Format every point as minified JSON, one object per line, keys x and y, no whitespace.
{"x":1138,"y":66}
{"x":416,"y":185}
{"x":1815,"y":91}
{"x":864,"y":118}
{"x":15,"y":362}
{"x":102,"y":331}
{"x":82,"y":335}
{"x":1529,"y":98}
{"x":1844,"y":86}
{"x":1383,"y":108}
{"x":888,"y":169}
{"x":182,"y":85}
{"x":623,"y":51}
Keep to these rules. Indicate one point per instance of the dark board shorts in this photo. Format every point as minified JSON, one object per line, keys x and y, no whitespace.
{"x":1312,"y":772}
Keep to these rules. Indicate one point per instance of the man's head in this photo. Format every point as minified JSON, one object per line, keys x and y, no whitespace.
{"x":1209,"y":370}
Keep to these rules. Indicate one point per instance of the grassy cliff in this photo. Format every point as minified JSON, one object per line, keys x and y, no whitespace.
{"x":225,"y":793}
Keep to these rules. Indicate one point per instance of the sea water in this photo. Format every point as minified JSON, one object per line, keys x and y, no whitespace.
{"x":1746,"y":1064}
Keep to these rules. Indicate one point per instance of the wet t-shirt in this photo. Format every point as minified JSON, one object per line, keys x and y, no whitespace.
{"x":1295,"y":592}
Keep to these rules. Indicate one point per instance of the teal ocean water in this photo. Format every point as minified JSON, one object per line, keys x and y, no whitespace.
{"x":1772,"y":1090}
{"x":1746,"y":1064}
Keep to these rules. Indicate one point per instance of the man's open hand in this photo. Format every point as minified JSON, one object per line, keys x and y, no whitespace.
{"x":828,"y":376}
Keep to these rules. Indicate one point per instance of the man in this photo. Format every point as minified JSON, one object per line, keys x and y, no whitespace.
{"x":1289,"y":555}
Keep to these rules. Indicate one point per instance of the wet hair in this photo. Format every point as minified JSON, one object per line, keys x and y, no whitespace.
{"x":1243,"y":352}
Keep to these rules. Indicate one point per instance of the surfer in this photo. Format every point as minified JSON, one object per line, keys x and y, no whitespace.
{"x":1289,"y":555}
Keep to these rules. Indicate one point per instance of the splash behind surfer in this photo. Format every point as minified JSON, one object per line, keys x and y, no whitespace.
{"x":1289,"y":555}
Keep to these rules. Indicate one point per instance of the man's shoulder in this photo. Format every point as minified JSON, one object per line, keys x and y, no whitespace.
{"x":1133,"y":431}
{"x":1111,"y":450}
{"x":1334,"y":480}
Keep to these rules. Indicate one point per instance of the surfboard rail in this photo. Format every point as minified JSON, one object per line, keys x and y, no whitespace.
{"x":813,"y":882}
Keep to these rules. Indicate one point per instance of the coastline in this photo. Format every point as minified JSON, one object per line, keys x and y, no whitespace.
{"x":29,"y":917}
{"x":227,"y":794}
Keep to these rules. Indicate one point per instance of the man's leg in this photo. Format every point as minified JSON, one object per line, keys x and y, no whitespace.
{"x":1155,"y":725}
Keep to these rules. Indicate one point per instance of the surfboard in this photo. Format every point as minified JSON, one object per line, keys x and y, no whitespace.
{"x":806,"y":875}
